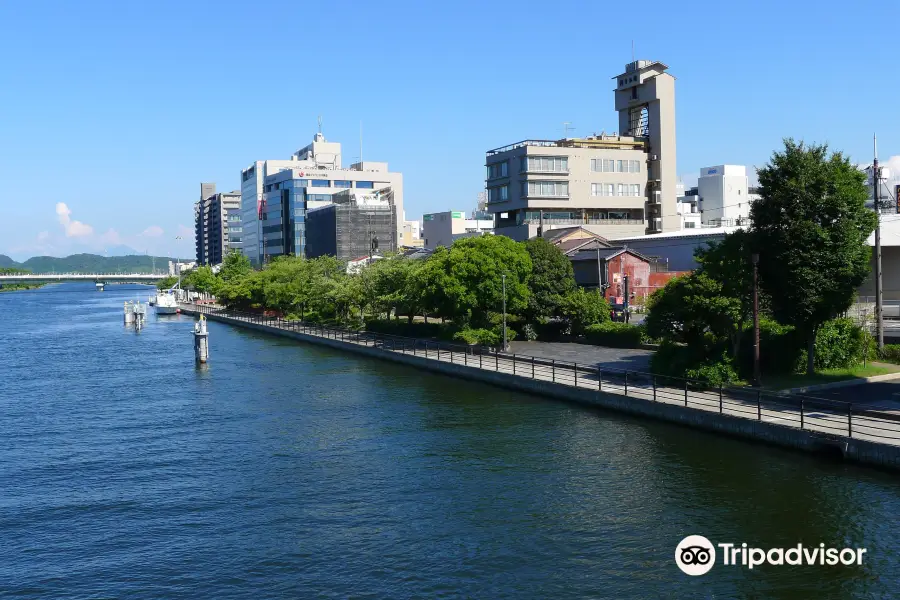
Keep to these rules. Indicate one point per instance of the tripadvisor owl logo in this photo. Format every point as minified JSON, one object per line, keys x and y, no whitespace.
{"x":695,"y":555}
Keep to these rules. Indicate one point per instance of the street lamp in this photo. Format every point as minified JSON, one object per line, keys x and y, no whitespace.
{"x":505,"y":343}
{"x":755,"y":259}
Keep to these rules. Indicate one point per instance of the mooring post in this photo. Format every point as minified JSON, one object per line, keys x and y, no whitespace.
{"x":201,"y":341}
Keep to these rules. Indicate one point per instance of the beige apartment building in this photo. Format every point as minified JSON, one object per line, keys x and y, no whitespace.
{"x":615,"y":185}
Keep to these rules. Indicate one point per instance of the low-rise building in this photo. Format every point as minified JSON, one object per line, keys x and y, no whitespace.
{"x":444,"y":228}
{"x":353,"y":226}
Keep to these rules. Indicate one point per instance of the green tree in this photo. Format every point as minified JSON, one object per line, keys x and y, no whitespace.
{"x":202,"y":279}
{"x":166,"y":282}
{"x":694,"y":310}
{"x":729,"y":263}
{"x":552,"y":278}
{"x":473,"y":273}
{"x":811,"y":226}
{"x":235,"y":266}
{"x":583,"y":308}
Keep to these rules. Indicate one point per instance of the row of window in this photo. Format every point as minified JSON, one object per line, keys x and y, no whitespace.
{"x":546,"y":164}
{"x":546,"y":189}
{"x":615,"y":189}
{"x":608,"y":165}
{"x":498,"y":170}
{"x":498,"y":194}
{"x":535,"y":216}
{"x":302,"y":183}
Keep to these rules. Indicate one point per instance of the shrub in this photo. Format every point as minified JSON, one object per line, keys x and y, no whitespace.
{"x":711,"y":367}
{"x":416,"y":329}
{"x":582,"y":309}
{"x":483,"y":337}
{"x":530,"y":333}
{"x":890,"y":353}
{"x":616,"y":335}
{"x":840,"y":343}
{"x":714,"y":372}
{"x":551,"y":330}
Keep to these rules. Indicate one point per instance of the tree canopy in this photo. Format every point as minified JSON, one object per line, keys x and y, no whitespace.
{"x":811,"y":226}
{"x":552,"y":278}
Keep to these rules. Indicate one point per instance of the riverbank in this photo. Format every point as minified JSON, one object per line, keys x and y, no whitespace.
{"x":18,"y":287}
{"x":814,"y":425}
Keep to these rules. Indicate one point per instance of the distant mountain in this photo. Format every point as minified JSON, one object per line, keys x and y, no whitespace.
{"x":91,"y":263}
{"x":7,"y":263}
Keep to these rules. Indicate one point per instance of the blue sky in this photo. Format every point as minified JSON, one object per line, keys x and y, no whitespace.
{"x":117,"y":111}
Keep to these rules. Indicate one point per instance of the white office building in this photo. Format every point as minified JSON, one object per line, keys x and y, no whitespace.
{"x":274,"y":201}
{"x":444,"y":228}
{"x":723,"y":196}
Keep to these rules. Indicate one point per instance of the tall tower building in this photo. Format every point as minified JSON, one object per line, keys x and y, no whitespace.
{"x":645,"y":99}
{"x":615,"y":185}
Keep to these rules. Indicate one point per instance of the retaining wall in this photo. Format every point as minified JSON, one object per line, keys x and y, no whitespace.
{"x":863,"y":451}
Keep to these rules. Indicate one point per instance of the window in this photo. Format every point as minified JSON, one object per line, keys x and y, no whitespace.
{"x":498,"y":194}
{"x":596,"y":189}
{"x":635,"y":166}
{"x":620,"y":166}
{"x":321,"y":183}
{"x":366,"y":185}
{"x":552,"y":189}
{"x":616,"y":214}
{"x":620,"y":189}
{"x":500,"y":169}
{"x":546,"y":164}
{"x":635,"y":189}
{"x":342,"y":183}
{"x":690,"y":225}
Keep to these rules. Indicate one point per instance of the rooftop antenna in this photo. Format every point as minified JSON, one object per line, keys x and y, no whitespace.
{"x":360,"y":144}
{"x":320,"y":123}
{"x":632,"y":50}
{"x":567,"y":129}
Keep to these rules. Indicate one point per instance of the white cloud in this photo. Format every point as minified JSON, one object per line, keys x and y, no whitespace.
{"x":152,"y":231}
{"x":185,"y":232}
{"x":72,"y":228}
{"x":111,"y":237}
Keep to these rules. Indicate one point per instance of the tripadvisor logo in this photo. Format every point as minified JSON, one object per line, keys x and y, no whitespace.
{"x":696,"y":555}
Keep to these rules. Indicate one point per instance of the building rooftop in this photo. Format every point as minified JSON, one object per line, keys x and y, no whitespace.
{"x":602,"y":141}
{"x":683,"y":234}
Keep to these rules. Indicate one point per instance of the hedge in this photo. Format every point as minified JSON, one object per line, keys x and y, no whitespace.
{"x":416,"y":329}
{"x":890,"y":353}
{"x":616,"y":335}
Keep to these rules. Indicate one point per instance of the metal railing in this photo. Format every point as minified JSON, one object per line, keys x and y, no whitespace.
{"x":804,"y":412}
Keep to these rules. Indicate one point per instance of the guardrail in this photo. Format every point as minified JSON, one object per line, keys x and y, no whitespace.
{"x":804,"y":412}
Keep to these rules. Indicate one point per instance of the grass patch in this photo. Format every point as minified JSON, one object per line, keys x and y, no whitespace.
{"x":783,"y":382}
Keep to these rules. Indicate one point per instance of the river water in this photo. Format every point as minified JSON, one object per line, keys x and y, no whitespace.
{"x":283,"y":470}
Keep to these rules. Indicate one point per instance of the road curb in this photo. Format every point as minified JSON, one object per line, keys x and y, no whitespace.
{"x":841,"y":384}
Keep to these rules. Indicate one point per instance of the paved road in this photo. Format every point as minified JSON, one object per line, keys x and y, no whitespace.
{"x":882,"y":394}
{"x":584,"y":354}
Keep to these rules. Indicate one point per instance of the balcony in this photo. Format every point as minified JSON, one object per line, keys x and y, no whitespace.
{"x":570,"y":222}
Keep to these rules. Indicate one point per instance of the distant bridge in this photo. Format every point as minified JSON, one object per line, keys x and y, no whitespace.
{"x":104,"y":277}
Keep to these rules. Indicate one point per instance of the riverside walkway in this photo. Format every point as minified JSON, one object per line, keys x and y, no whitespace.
{"x":832,"y":422}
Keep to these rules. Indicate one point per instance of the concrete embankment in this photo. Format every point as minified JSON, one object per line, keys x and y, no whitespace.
{"x":864,"y":451}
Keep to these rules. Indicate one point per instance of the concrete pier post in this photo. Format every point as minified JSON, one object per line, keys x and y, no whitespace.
{"x":129,"y":314}
{"x":201,"y":341}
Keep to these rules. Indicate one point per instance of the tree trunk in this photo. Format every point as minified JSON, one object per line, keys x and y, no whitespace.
{"x":409,"y":317}
{"x":811,"y":354}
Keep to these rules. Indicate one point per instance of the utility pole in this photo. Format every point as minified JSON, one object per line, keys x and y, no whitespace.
{"x":599,"y":272}
{"x":756,"y":381}
{"x":505,"y":344}
{"x":879,"y":312}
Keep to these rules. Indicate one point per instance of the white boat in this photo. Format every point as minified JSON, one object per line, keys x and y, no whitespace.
{"x":152,"y":300}
{"x":166,"y":303}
